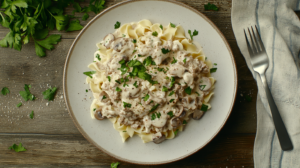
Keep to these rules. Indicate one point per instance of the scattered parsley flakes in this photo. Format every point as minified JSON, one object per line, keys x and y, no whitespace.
{"x":118,"y":89}
{"x":139,"y":55}
{"x":104,"y":97}
{"x":123,"y":35}
{"x":108,"y":77}
{"x":176,"y":132}
{"x":89,"y":73}
{"x":117,"y":81}
{"x":117,"y":25}
{"x":210,"y":6}
{"x":122,"y":62}
{"x":212,"y":70}
{"x":172,"y":25}
{"x":215,"y":64}
{"x":198,"y":93}
{"x":86,"y":90}
{"x":202,"y":87}
{"x":165,"y":51}
{"x":94,"y":109}
{"x":146,"y":97}
{"x":134,"y":51}
{"x":153,"y":116}
{"x":148,"y":61}
{"x":135,"y":84}
{"x":174,"y":61}
{"x":158,"y":115}
{"x":98,"y":57}
{"x":162,"y":28}
{"x":184,"y":122}
{"x":184,"y":61}
{"x":195,"y":33}
{"x":154,"y":108}
{"x":134,"y":40}
{"x":5,"y":91}
{"x":171,"y":93}
{"x":17,"y":148}
{"x":170,"y":114}
{"x":204,"y":107}
{"x":26,"y":94}
{"x":172,"y":81}
{"x":172,"y":100}
{"x":155,"y":34}
{"x":126,"y":105}
{"x":31,"y":114}
{"x":164,"y":89}
{"x":188,"y":90}
{"x":124,"y":131}
{"x":114,"y":165}
{"x":50,"y":93}
{"x":19,"y":104}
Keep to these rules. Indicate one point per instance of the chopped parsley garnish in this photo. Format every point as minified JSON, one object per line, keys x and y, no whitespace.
{"x":184,"y":122}
{"x":154,"y":108}
{"x":188,"y":90}
{"x":146,"y":97}
{"x":176,"y":132}
{"x":134,"y":51}
{"x":86,"y":90}
{"x":98,"y":57}
{"x":89,"y":73}
{"x":165,"y":89}
{"x":114,"y":165}
{"x":31,"y":114}
{"x":172,"y":25}
{"x":172,"y":81}
{"x":4,"y":91}
{"x":162,"y":28}
{"x":165,"y":51}
{"x":248,"y":98}
{"x":134,"y":63}
{"x":210,"y":6}
{"x":139,"y":55}
{"x":205,"y":58}
{"x":172,"y":100}
{"x":123,"y":35}
{"x":108,"y":77}
{"x":50,"y":93}
{"x":204,"y":107}
{"x":174,"y":61}
{"x":94,"y":109}
{"x":198,"y":93}
{"x":122,"y":62}
{"x":215,"y":64}
{"x":17,"y":148}
{"x":202,"y":87}
{"x":117,"y":25}
{"x":170,"y":114}
{"x":167,"y":77}
{"x":135,"y":84}
{"x":148,"y":61}
{"x":118,"y":89}
{"x":154,"y":115}
{"x":171,"y":93}
{"x":104,"y":97}
{"x":161,"y":70}
{"x":126,"y":105}
{"x":158,"y":115}
{"x":195,"y":33}
{"x":118,"y":81}
{"x":154,"y":33}
{"x":184,"y":61}
{"x":212,"y":70}
{"x":19,"y":104}
{"x":134,"y":40}
{"x":26,"y":94}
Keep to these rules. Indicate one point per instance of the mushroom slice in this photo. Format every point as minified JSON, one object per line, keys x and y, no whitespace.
{"x":205,"y":84}
{"x":175,"y":122}
{"x":108,"y":39}
{"x":197,"y":114}
{"x":182,"y":114}
{"x":178,"y":111}
{"x":118,"y":44}
{"x":98,"y":115}
{"x":158,"y":138}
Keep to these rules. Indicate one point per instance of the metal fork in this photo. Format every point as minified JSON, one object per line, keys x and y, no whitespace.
{"x":260,"y":63}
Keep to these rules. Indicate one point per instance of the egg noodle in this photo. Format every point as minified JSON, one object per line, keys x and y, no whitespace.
{"x":149,"y":80}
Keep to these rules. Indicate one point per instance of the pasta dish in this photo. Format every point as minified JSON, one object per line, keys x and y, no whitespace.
{"x":149,"y":80}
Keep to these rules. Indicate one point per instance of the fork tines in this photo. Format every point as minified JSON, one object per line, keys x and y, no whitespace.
{"x":257,"y":44}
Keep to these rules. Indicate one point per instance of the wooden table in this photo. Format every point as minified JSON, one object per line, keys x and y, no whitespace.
{"x":51,"y":139}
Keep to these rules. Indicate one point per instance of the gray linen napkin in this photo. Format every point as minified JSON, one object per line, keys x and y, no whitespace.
{"x":279,"y":27}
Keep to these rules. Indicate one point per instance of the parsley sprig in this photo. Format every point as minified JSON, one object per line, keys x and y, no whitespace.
{"x":195,"y":33}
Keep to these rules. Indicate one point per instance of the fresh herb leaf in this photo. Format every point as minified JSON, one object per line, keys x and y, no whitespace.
{"x":158,"y":115}
{"x":165,"y":89}
{"x":26,"y":94}
{"x":165,"y":51}
{"x":108,"y":77}
{"x":148,"y":61}
{"x":161,"y":27}
{"x":124,"y":131}
{"x":184,"y":122}
{"x":117,"y":25}
{"x":104,"y":97}
{"x":198,"y":93}
{"x":86,"y":90}
{"x":85,"y":16}
{"x":202,"y":87}
{"x":31,"y":115}
{"x":126,"y":105}
{"x":170,"y":114}
{"x":122,"y":62}
{"x":184,"y":61}
{"x":210,"y":6}
{"x":114,"y":165}
{"x":204,"y":107}
{"x":19,"y":104}
{"x":172,"y":81}
{"x":17,"y":148}
{"x":188,"y":90}
{"x":98,"y":57}
{"x":154,"y":108}
{"x":118,"y":81}
{"x":174,"y":61}
{"x":5,"y":91}
{"x":47,"y":43}
{"x":153,"y":116}
{"x":195,"y":33}
{"x":135,"y":84}
{"x":172,"y":25}
{"x":212,"y":70}
{"x":171,"y":93}
{"x":94,"y":109}
{"x":50,"y":93}
{"x":118,"y":89}
{"x":176,"y":132}
{"x":146,"y":97}
{"x":74,"y":25}
{"x":89,"y":73}
{"x":154,"y":33}
{"x":139,"y":55}
{"x":134,"y":51}
{"x":215,"y":64}
{"x":134,"y":63}
{"x":172,"y":100}
{"x":248,"y":98}
{"x":134,"y":40}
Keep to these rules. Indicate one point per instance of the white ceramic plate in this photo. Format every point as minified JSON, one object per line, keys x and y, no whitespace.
{"x":197,"y":133}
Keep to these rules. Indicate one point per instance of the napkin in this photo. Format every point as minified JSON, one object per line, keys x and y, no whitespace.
{"x":279,"y":27}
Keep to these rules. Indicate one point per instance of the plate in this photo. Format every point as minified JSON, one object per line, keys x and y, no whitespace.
{"x":197,"y":133}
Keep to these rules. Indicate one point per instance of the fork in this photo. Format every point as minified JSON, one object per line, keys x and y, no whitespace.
{"x":260,"y":63}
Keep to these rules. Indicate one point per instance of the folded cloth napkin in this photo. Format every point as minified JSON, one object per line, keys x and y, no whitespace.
{"x":279,"y":27}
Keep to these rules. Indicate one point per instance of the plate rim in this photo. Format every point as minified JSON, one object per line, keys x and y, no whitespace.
{"x":90,"y":140}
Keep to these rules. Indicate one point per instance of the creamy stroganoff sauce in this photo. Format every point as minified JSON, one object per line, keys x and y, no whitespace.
{"x":149,"y":80}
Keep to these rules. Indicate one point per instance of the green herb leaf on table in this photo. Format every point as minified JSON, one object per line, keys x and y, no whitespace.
{"x":47,"y":43}
{"x":114,"y":165}
{"x":26,"y":94}
{"x":89,"y":73}
{"x":74,"y":25}
{"x":50,"y":93}
{"x":85,"y":16}
{"x":17,"y":148}
{"x":19,"y":104}
{"x":31,"y":115}
{"x":5,"y":91}
{"x":210,"y":6}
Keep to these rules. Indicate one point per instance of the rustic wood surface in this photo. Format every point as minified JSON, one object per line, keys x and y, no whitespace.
{"x":52,"y":140}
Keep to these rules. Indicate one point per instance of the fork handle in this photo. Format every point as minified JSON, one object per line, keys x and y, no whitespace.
{"x":283,"y":136}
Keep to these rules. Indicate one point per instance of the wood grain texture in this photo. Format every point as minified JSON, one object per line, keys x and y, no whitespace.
{"x":75,"y":151}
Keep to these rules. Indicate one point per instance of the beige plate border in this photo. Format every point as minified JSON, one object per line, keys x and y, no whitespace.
{"x":66,"y":98}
